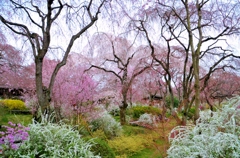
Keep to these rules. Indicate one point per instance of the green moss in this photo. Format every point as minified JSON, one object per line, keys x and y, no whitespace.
{"x":6,"y":117}
{"x":137,"y":111}
{"x":102,"y":148}
{"x":4,"y":120}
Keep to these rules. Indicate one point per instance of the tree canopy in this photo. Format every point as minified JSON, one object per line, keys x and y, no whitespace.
{"x":138,"y":49}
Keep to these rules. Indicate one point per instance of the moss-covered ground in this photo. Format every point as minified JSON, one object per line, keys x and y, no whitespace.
{"x":6,"y":116}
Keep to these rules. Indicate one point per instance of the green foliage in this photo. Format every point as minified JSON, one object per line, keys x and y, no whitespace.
{"x":146,"y":153}
{"x":54,"y":140}
{"x":129,"y":144}
{"x":137,"y":111}
{"x":101,"y":147}
{"x":3,"y":116}
{"x":133,"y":130}
{"x":23,"y":119}
{"x":6,"y":117}
{"x":13,"y":104}
{"x":191,"y":112}
{"x":99,"y":134}
{"x":175,"y":102}
{"x":4,"y":120}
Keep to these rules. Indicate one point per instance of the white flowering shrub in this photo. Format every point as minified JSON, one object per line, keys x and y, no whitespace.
{"x":147,"y":119}
{"x":216,"y":134}
{"x":55,"y":141}
{"x":108,"y":124}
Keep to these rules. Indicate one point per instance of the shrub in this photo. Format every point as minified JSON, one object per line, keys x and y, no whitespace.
{"x":108,"y":124}
{"x":175,"y":102}
{"x":147,"y":119}
{"x":115,"y":111}
{"x":137,"y":111}
{"x":191,"y":112}
{"x":54,"y":140}
{"x":12,"y":137}
{"x":128,"y":144}
{"x":99,"y":134}
{"x":216,"y":134}
{"x":133,"y":130}
{"x":102,"y":148}
{"x":13,"y":104}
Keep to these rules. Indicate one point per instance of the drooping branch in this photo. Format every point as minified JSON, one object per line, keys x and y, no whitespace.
{"x":73,"y":39}
{"x":214,"y":68}
{"x":103,"y":69}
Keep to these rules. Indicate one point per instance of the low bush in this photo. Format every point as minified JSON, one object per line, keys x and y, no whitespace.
{"x":147,"y":119}
{"x":54,"y":140}
{"x":99,"y":134}
{"x":128,"y":145}
{"x":12,"y":137}
{"x":175,"y":102}
{"x":137,"y":111}
{"x":191,"y":112}
{"x":13,"y":104}
{"x":216,"y":134}
{"x":108,"y":124}
{"x":101,"y":147}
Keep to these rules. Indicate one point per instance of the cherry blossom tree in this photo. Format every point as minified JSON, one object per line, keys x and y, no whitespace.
{"x":150,"y":86}
{"x":14,"y":74}
{"x":222,"y":85}
{"x":73,"y":91}
{"x":40,"y":22}
{"x":196,"y":29}
{"x":124,"y":61}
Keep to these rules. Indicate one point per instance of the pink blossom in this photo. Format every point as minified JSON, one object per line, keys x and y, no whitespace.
{"x":13,"y":133}
{"x":14,"y":146}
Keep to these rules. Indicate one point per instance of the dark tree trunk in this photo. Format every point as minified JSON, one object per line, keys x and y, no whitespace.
{"x":123,"y":109}
{"x":122,"y":115}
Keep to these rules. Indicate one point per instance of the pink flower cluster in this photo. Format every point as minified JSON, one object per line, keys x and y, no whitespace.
{"x":13,"y":136}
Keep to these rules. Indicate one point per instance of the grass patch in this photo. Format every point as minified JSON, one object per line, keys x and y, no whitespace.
{"x":146,"y":153}
{"x":6,"y":117}
{"x":117,"y":118}
{"x":160,"y":142}
{"x":149,"y":143}
{"x":133,"y":130}
{"x":23,"y":119}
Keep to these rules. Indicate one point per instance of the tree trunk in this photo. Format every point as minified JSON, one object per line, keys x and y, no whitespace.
{"x":123,"y":108}
{"x":122,"y":115}
{"x":195,"y":55}
{"x":170,"y":91}
{"x":197,"y":96}
{"x":43,"y":93}
{"x":185,"y":104}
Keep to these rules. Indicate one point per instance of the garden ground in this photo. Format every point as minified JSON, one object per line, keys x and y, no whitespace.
{"x":155,"y":138}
